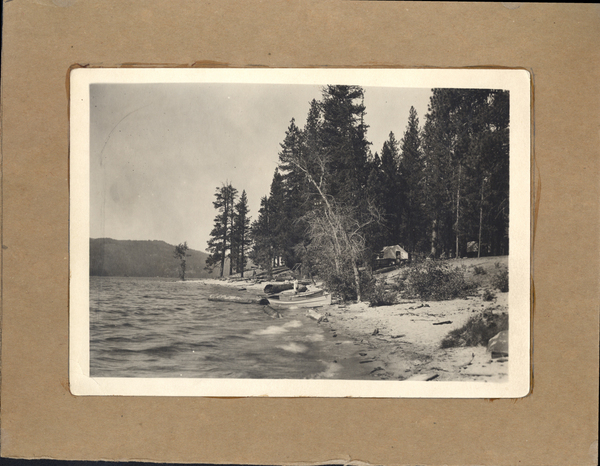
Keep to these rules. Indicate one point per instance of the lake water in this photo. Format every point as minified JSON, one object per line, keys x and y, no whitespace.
{"x":141,"y":327}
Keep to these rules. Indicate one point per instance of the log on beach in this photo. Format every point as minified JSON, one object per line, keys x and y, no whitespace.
{"x":384,"y":270}
{"x":272,"y":289}
{"x":237,"y":299}
{"x":278,"y":288}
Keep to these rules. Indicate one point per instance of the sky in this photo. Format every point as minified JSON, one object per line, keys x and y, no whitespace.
{"x":159,"y":151}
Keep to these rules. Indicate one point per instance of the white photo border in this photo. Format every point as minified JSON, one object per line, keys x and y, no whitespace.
{"x":517,"y":82}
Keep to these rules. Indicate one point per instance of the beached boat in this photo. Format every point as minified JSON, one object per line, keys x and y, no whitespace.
{"x":291,"y":295}
{"x":315,"y":298}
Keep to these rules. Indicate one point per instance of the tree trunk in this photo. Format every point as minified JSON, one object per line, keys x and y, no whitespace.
{"x":356,"y":281}
{"x":480,"y":220}
{"x":242,"y":255}
{"x":334,"y":231}
{"x":222,"y":263}
{"x":226,"y":218}
{"x":231,"y":259}
{"x":270,"y":268}
{"x":434,"y":234}
{"x":458,"y":210}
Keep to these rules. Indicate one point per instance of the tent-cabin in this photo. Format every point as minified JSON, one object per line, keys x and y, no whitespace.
{"x":394,"y":252}
{"x":389,"y":256}
{"x":472,"y":248}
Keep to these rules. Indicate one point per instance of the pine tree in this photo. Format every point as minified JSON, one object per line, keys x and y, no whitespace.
{"x":241,"y":234}
{"x":376,"y":233}
{"x":411,"y":174}
{"x":181,"y":253}
{"x":441,"y":170}
{"x":262,"y":252}
{"x":279,"y":222}
{"x":295,"y":197}
{"x":343,"y":144}
{"x":220,"y":242}
{"x":392,"y":200}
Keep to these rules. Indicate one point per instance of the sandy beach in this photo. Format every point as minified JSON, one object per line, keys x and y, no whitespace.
{"x":402,"y":341}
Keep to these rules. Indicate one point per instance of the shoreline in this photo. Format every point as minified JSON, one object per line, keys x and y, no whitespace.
{"x":402,"y":341}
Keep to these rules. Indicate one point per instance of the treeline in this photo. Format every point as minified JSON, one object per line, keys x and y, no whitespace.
{"x":333,"y":203}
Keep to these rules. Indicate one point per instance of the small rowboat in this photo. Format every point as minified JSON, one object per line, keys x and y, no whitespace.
{"x":316,"y":298}
{"x":300,"y":296}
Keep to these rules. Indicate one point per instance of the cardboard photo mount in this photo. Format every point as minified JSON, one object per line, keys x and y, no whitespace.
{"x":555,"y":424}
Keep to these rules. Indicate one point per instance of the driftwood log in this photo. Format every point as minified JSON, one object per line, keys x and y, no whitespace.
{"x":279,"y":287}
{"x":384,"y":270}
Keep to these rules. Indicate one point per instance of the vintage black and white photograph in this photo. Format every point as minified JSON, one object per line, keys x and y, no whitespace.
{"x":300,"y":232}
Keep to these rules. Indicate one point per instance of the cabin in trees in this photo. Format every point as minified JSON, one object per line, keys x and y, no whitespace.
{"x":390,"y":255}
{"x":472,"y":249}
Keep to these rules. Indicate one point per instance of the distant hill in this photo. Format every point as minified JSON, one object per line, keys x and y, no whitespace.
{"x":125,"y":258}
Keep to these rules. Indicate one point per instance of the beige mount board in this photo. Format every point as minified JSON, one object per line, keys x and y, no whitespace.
{"x":555,"y":424}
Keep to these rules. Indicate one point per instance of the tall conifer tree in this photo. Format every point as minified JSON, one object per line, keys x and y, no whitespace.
{"x":241,"y":234}
{"x":220,"y":241}
{"x":278,"y":219}
{"x":294,"y":196}
{"x":392,"y":200}
{"x":411,"y":173}
{"x":343,"y":143}
{"x":262,"y":252}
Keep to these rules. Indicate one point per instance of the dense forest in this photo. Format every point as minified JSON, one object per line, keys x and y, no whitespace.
{"x":439,"y":191}
{"x":117,"y":258}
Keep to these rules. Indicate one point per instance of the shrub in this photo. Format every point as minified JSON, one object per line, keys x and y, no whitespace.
{"x":400,"y":282}
{"x":477,"y":331}
{"x":343,"y":284}
{"x":500,"y":281}
{"x":434,"y":281}
{"x":489,"y":295}
{"x":478,"y":270}
{"x":378,"y":295}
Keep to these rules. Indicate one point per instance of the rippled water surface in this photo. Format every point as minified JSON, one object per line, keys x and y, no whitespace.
{"x":142,"y":327}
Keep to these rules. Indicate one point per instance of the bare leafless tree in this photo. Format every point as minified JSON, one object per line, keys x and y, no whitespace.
{"x":335,"y":230}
